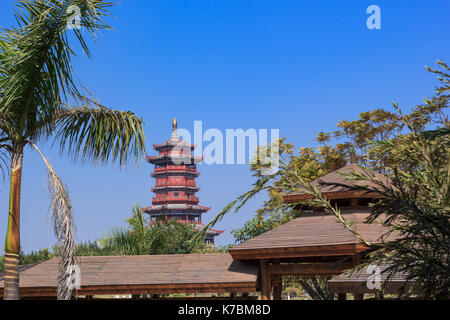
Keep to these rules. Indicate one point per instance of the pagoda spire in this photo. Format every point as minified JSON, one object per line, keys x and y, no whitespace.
{"x":174,"y":128}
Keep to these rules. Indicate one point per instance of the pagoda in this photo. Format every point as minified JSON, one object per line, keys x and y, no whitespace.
{"x":175,"y":187}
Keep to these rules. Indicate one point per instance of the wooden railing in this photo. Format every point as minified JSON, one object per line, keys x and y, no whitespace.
{"x":175,"y":184}
{"x":176,"y":199}
{"x":176,"y":168}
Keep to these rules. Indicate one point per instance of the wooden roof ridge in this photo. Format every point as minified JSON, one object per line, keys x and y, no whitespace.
{"x":342,"y":188}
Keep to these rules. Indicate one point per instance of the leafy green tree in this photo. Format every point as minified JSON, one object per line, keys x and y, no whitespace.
{"x":251,"y":228}
{"x":202,"y":247}
{"x":92,"y":248}
{"x":36,"y":84}
{"x":171,"y":237}
{"x":36,"y":256}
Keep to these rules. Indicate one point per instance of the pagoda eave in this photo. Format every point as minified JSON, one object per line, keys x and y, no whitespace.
{"x":175,"y":206}
{"x":209,"y":230}
{"x":178,"y":159}
{"x":179,"y":187}
{"x":178,"y":172}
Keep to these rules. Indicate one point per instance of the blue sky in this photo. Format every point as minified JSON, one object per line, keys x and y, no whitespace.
{"x":297,"y":66}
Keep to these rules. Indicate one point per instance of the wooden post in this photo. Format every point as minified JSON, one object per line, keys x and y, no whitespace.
{"x":277,"y":284}
{"x":358,"y":296}
{"x":265,"y":280}
{"x":356,"y":259}
{"x":277,"y":287}
{"x":342,"y":296}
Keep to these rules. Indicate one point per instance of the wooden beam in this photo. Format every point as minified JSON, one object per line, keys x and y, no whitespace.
{"x":356,"y":259}
{"x":345,"y":249}
{"x":309,"y":268}
{"x":332,"y":195}
{"x":358,"y":287}
{"x":142,"y":289}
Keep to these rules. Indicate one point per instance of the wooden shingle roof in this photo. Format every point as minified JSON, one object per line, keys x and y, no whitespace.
{"x":156,"y":274}
{"x":316,"y":235}
{"x":339,"y":176}
{"x":357,"y":282}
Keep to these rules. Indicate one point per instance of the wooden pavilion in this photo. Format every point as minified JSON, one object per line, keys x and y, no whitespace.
{"x":315,"y":244}
{"x":144,"y":274}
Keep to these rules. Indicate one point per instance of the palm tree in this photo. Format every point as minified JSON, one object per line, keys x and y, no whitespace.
{"x":36,"y":85}
{"x":141,"y":237}
{"x":133,"y":240}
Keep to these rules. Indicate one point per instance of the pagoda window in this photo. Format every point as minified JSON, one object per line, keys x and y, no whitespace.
{"x":175,"y":194}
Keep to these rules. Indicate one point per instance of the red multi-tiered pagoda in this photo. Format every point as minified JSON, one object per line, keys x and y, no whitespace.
{"x":175,"y":188}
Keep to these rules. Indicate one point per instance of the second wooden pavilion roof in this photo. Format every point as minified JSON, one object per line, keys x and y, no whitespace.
{"x":339,"y":176}
{"x":318,"y":235}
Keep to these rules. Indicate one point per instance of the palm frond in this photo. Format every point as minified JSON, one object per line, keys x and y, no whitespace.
{"x":137,"y":221}
{"x":124,"y":242}
{"x":63,"y":226}
{"x":100,"y":134}
{"x":35,"y":57}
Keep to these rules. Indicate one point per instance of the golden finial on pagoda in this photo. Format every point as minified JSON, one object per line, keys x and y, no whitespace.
{"x":174,"y":126}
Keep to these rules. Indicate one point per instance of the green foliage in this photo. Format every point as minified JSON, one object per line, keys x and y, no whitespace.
{"x":252,"y":228}
{"x":36,"y":256}
{"x":171,"y":237}
{"x":92,"y":249}
{"x":166,"y":237}
{"x":138,"y":221}
{"x":202,"y":247}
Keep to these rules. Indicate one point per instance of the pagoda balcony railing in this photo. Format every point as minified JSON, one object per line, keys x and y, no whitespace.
{"x":175,"y":199}
{"x":175,"y":168}
{"x":175,"y":184}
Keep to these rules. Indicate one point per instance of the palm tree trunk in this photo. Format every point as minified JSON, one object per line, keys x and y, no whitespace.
{"x":11,"y":290}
